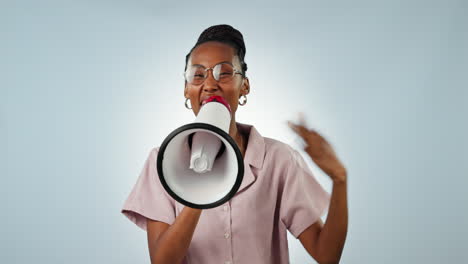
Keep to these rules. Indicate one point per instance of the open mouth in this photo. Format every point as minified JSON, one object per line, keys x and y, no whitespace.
{"x":216,"y":98}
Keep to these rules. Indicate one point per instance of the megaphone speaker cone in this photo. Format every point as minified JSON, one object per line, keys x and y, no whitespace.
{"x":199,"y":164}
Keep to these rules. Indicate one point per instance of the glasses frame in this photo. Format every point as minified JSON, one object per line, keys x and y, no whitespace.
{"x":205,"y":73}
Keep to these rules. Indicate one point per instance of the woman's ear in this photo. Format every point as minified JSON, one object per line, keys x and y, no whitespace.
{"x":245,"y":86}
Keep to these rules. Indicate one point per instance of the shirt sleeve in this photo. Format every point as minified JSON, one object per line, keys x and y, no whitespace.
{"x":148,"y":198}
{"x":303,"y":199}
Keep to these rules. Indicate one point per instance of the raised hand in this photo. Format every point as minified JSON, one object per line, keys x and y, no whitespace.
{"x":321,"y":152}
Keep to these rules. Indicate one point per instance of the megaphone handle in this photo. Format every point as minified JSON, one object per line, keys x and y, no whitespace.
{"x":220,"y":152}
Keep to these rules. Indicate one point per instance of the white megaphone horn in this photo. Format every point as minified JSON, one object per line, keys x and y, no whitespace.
{"x":199,"y":164}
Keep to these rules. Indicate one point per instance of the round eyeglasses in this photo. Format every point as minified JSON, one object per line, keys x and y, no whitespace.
{"x":222,"y":72}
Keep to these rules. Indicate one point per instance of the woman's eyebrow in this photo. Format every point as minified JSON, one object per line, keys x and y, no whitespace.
{"x":215,"y":64}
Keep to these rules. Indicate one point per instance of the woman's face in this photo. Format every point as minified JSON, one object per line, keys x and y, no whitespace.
{"x":209,"y":54}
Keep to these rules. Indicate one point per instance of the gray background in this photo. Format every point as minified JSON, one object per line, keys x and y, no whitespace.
{"x":89,"y":87}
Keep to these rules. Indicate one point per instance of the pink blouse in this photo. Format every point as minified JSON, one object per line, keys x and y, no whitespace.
{"x":278,"y":193}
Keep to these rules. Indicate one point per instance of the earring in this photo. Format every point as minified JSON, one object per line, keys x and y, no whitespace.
{"x":186,"y":106}
{"x":245,"y":100}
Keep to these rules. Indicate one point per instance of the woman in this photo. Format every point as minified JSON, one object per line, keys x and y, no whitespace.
{"x":278,"y":192}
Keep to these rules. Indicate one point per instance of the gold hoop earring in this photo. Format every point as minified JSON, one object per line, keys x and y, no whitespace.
{"x":186,"y":106}
{"x":245,"y":100}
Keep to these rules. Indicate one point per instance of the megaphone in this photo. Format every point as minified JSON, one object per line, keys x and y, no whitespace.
{"x":199,"y":164}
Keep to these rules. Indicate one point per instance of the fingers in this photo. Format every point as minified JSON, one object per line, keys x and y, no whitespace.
{"x":299,"y":129}
{"x":301,"y":126}
{"x":309,"y":135}
{"x":302,"y":119}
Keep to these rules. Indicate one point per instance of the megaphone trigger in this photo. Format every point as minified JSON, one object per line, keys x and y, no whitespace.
{"x":205,"y":147}
{"x":220,"y":152}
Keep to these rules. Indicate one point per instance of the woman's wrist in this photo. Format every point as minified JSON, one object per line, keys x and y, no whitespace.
{"x":193,"y":210}
{"x":340,"y":178}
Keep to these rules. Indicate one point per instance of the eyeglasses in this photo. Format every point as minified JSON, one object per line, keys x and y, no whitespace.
{"x":222,"y":72}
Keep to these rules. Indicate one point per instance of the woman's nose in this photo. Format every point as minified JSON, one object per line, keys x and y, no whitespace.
{"x":210,"y":84}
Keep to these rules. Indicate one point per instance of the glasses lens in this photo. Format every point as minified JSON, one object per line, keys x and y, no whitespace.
{"x":223,"y":72}
{"x":195,"y":74}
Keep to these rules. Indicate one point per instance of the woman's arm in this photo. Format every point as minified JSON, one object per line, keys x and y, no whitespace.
{"x":325,"y":243}
{"x":332,"y":237}
{"x":169,"y":243}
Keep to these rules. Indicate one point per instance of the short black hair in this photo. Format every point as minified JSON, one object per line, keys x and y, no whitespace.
{"x":225,"y":34}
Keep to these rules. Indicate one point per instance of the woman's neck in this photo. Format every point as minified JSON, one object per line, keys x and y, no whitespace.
{"x":237,"y":136}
